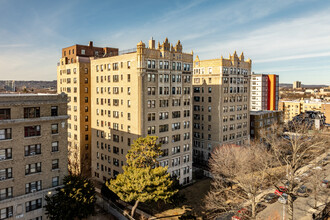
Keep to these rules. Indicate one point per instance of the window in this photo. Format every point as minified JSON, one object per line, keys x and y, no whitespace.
{"x":33,"y":112}
{"x":33,"y":205}
{"x":55,"y":146}
{"x":151,"y":116}
{"x":55,"y":164}
{"x":54,"y":128}
{"x":55,"y":181}
{"x":6,"y":193}
{"x":6,"y":212}
{"x":151,"y":130}
{"x":149,"y":64}
{"x":31,"y":131}
{"x":33,"y":187}
{"x":5,"y":133}
{"x":33,"y":168}
{"x":5,"y":154}
{"x":6,"y":173}
{"x":163,"y":128}
{"x":31,"y":150}
{"x":4,"y":114}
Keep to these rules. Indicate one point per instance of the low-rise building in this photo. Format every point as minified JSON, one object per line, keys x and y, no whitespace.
{"x":295,"y":107}
{"x":33,"y":152}
{"x":260,"y":120}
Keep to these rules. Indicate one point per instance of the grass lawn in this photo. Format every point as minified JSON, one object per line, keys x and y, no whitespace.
{"x":194,"y":194}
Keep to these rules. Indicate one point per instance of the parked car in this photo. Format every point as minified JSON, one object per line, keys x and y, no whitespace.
{"x":283,"y":198}
{"x":317,"y":168}
{"x":325,"y":183}
{"x":281,"y":191}
{"x":325,"y":161}
{"x":270,"y":198}
{"x":303,"y":191}
{"x":241,"y":214}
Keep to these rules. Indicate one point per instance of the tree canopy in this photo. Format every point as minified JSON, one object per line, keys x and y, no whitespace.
{"x":143,"y":180}
{"x":75,"y":200}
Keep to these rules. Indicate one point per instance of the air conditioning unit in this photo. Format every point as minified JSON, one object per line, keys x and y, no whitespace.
{"x":2,"y":158}
{"x":33,"y":190}
{"x":2,"y":178}
{"x":10,"y":214}
{"x":32,"y":153}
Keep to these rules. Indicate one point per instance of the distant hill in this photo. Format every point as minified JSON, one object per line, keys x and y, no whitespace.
{"x":288,"y":85}
{"x":32,"y":84}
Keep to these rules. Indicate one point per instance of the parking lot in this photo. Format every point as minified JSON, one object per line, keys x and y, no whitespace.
{"x":303,"y":206}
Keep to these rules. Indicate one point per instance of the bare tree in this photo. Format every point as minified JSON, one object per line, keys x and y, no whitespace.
{"x":239,"y":176}
{"x":317,"y":190}
{"x":294,"y":149}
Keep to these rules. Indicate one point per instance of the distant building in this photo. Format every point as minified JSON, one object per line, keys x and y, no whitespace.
{"x":262,"y":120}
{"x":221,"y":89}
{"x":325,"y":108}
{"x":295,"y":107}
{"x":10,"y":86}
{"x":325,"y":91}
{"x":33,"y":152}
{"x":296,"y":84}
{"x":264,"y":92}
{"x":312,"y":119}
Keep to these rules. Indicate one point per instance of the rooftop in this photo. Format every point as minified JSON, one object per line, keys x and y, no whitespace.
{"x":262,"y":112}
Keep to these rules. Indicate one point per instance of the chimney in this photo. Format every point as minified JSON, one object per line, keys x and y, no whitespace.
{"x":90,"y":44}
{"x":152,"y":43}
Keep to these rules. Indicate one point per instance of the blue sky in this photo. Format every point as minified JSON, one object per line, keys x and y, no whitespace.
{"x":287,"y":37}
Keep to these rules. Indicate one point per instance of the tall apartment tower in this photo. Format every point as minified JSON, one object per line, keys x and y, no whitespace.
{"x":296,"y":85}
{"x":264,"y":92}
{"x":33,"y":152}
{"x":221,"y":104}
{"x":142,"y":91}
{"x":73,"y":78}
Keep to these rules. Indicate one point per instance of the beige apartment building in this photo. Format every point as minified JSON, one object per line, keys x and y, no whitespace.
{"x":142,"y":91}
{"x":295,"y":107}
{"x":221,"y":104}
{"x":33,"y":152}
{"x":73,"y":78}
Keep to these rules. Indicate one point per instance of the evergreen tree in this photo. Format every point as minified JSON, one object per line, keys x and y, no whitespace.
{"x":75,"y":200}
{"x":143,"y":180}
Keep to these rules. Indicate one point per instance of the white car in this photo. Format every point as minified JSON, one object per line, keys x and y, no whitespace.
{"x":283,"y":198}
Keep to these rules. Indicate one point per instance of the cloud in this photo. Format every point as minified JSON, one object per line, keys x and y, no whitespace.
{"x":14,"y":45}
{"x":303,"y":56}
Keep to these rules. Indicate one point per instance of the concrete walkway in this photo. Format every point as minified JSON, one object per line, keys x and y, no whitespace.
{"x":106,"y":206}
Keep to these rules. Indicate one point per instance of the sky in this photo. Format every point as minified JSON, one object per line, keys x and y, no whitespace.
{"x":286,"y":37}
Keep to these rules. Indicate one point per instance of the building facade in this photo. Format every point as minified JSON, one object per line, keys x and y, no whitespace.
{"x":264,"y":92}
{"x":263,"y":120}
{"x":221,"y":104}
{"x":33,"y":152}
{"x":74,"y":79}
{"x":296,"y":107}
{"x":143,"y":91}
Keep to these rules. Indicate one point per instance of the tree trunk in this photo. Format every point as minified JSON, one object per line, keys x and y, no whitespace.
{"x":290,"y":207}
{"x":253,"y":208}
{"x":315,"y":199}
{"x":134,"y":207}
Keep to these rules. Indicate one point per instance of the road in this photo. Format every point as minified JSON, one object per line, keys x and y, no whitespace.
{"x":302,"y":206}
